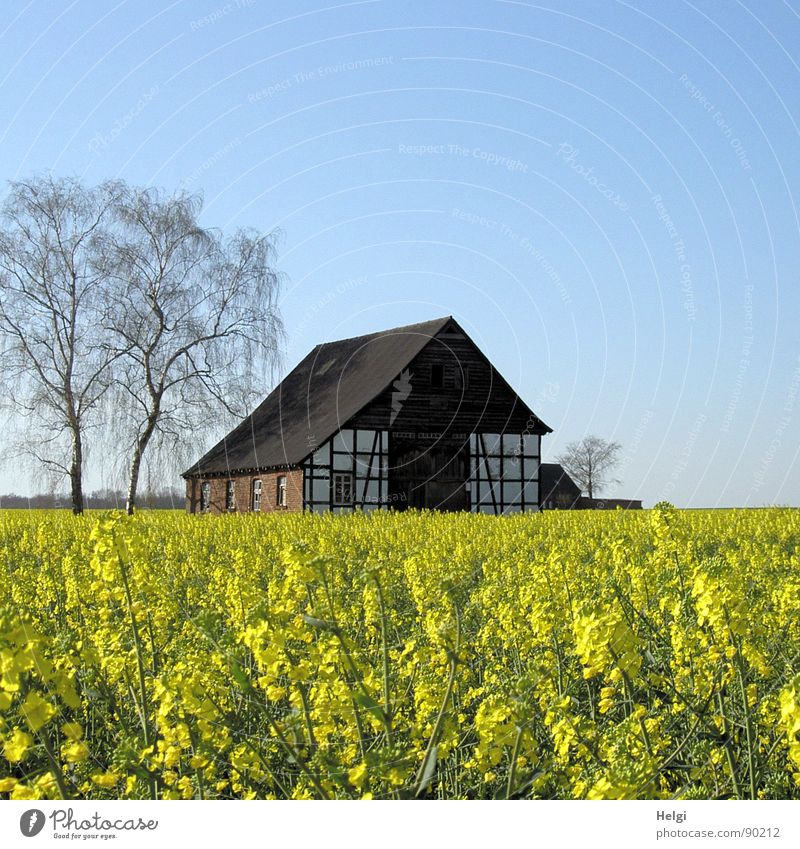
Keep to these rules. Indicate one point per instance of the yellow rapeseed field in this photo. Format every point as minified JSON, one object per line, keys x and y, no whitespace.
{"x":564,"y":655}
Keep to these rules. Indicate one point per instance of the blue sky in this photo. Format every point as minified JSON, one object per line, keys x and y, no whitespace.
{"x":604,"y":194}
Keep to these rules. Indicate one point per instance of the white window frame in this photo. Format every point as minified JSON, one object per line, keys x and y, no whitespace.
{"x":280,"y":495}
{"x":205,"y":496}
{"x":338,"y":478}
{"x":255,"y":498}
{"x":230,"y":496}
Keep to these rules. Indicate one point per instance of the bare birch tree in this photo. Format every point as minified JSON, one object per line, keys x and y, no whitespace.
{"x":195,"y":319}
{"x":590,"y":462}
{"x":54,"y":363}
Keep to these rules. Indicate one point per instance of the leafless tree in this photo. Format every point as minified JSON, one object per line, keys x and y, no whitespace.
{"x":54,"y":363}
{"x":590,"y":462}
{"x":195,"y":320}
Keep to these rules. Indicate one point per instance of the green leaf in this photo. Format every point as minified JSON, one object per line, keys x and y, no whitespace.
{"x":429,"y":770}
{"x":368,"y":703}
{"x":522,"y":789}
{"x":321,"y":624}
{"x":240,"y":676}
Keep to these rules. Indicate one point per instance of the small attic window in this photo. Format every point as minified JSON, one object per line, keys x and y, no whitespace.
{"x":437,"y":375}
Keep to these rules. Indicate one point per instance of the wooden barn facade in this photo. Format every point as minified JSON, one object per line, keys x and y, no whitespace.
{"x":414,"y":416}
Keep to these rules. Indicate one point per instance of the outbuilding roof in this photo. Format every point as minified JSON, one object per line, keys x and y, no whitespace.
{"x":555,"y":484}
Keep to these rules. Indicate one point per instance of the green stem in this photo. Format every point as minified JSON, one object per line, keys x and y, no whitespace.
{"x":267,"y":768}
{"x":437,"y":727}
{"x":728,"y":748}
{"x":137,"y":642}
{"x":290,"y":750}
{"x":512,"y":772}
{"x":557,"y":652}
{"x":387,"y":703}
{"x":262,"y":760}
{"x":61,"y":781}
{"x":295,"y":755}
{"x":312,"y":741}
{"x":362,"y":741}
{"x":748,"y":723}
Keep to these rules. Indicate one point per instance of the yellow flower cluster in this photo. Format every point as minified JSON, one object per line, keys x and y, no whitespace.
{"x":562,"y":655}
{"x":790,"y":719}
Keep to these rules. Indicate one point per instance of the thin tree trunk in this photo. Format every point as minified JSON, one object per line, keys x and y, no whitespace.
{"x":76,"y":473}
{"x":133,"y":480}
{"x":136,"y":463}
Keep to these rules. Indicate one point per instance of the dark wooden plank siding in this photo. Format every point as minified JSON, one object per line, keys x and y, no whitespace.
{"x":486,"y":404}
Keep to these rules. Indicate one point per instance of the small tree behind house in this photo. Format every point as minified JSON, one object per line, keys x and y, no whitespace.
{"x":590,"y":463}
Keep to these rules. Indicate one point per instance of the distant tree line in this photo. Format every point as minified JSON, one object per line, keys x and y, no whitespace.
{"x":126,"y":327}
{"x":100,"y":499}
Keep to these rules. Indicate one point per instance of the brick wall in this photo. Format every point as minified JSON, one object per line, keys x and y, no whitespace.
{"x":191,"y":507}
{"x":243,"y":492}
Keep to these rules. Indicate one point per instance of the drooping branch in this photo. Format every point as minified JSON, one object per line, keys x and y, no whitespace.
{"x":195,"y":318}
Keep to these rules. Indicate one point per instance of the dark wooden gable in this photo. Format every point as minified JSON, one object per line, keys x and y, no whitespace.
{"x":450,"y":386}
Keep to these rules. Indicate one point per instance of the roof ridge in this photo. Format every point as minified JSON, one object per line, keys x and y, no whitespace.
{"x":387,"y":330}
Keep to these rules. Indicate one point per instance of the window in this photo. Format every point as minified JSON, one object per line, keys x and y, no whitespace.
{"x":437,"y":375}
{"x":230,"y":496}
{"x":360,"y":454}
{"x":280,"y":495}
{"x":256,"y":496}
{"x":205,"y":497}
{"x":507,"y":476}
{"x":462,"y":377}
{"x":342,"y":488}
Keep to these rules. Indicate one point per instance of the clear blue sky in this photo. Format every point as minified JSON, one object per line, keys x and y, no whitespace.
{"x":603,"y":193}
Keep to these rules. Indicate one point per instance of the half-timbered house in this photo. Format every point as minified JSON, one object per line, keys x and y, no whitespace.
{"x":411,"y":417}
